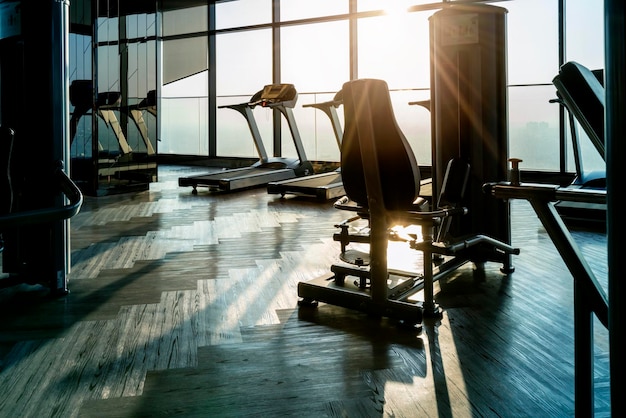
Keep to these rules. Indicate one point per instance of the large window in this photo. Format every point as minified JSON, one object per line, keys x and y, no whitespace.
{"x":306,"y":9}
{"x":395,"y":47}
{"x":113,"y":81}
{"x":184,"y":104}
{"x":244,"y":66}
{"x":315,"y":58}
{"x":587,"y":48}
{"x":316,"y":52}
{"x":533,"y":61}
{"x":233,"y":14}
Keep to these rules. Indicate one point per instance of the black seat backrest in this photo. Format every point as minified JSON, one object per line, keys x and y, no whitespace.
{"x":81,"y":94}
{"x":583,"y":95}
{"x":368,"y":111}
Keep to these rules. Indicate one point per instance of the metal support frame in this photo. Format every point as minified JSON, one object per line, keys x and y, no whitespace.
{"x":245,"y":109}
{"x":589,"y":297}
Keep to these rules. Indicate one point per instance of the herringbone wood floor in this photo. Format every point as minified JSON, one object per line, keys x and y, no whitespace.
{"x":186,"y":305}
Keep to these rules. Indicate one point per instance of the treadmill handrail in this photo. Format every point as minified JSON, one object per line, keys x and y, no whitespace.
{"x":330,"y":109}
{"x":40,"y":216}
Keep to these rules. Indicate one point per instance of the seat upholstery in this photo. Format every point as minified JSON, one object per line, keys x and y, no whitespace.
{"x":367,"y":102}
{"x":382,"y":182}
{"x":583,"y":94}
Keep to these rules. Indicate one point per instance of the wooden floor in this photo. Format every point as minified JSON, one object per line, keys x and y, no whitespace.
{"x":186,"y":305}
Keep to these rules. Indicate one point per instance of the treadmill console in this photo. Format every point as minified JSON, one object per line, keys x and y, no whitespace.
{"x":278,"y":94}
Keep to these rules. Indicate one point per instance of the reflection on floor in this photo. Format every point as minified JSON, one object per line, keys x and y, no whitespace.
{"x":186,"y":305}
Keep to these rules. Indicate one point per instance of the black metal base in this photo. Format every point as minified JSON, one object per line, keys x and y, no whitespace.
{"x":350,"y":294}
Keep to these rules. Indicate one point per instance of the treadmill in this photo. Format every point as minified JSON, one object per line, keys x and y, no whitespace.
{"x":81,"y":97}
{"x":281,"y":97}
{"x":323,"y":186}
{"x":136,"y":113}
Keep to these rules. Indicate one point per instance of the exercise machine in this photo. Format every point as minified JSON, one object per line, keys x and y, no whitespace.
{"x":382,"y":181}
{"x":148,"y":104}
{"x":281,"y":97}
{"x":470,"y":147}
{"x":97,"y":159}
{"x":82,"y":96}
{"x":323,"y":186}
{"x":581,"y":92}
{"x":40,"y":195}
{"x":589,"y":296}
{"x":469,"y":113}
{"x":17,"y":225}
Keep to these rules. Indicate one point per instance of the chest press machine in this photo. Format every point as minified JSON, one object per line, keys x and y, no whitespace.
{"x":381,"y":178}
{"x":581,"y":93}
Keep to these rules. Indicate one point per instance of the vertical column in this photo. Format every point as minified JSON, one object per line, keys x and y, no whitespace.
{"x":615,"y":79}
{"x":469,"y":108}
{"x":37,"y":89}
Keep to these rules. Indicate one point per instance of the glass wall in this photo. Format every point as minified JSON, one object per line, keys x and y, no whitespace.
{"x":238,"y":77}
{"x":316,"y":59}
{"x":533,"y":61}
{"x":184,"y":104}
{"x":585,"y":45}
{"x":318,"y":45}
{"x":113,"y":96}
{"x":395,"y":47}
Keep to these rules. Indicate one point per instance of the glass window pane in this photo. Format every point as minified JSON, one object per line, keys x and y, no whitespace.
{"x":184,"y":126}
{"x":533,"y":44}
{"x":183,"y":116}
{"x":233,"y":132}
{"x":108,"y":70}
{"x":244,"y":66}
{"x":316,"y":127}
{"x":181,"y":21}
{"x":184,"y":57}
{"x":390,"y":6}
{"x":80,"y":57}
{"x":244,"y":62}
{"x":585,"y":46}
{"x":238,"y":13}
{"x":315,"y":58}
{"x":303,"y":9}
{"x":534,"y":127}
{"x":141,"y":70}
{"x":395,"y":48}
{"x":414,"y":121}
{"x":591,"y":159}
{"x":106,"y":29}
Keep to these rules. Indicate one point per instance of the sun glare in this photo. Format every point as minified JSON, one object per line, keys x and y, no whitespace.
{"x":395,"y":9}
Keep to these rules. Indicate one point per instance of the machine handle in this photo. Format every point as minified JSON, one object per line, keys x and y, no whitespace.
{"x":39,"y":216}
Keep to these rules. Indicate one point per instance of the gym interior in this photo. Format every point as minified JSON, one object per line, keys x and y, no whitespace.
{"x":335,"y":208}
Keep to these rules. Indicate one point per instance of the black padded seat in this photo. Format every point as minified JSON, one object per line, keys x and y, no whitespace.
{"x":399,"y":172}
{"x":381,"y":178}
{"x":396,"y":165}
{"x":583,"y":95}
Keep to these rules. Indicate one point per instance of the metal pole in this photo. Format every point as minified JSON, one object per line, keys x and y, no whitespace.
{"x":615,"y":83}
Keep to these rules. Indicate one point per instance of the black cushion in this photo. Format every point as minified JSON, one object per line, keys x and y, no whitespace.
{"x":583,"y":94}
{"x":368,"y":111}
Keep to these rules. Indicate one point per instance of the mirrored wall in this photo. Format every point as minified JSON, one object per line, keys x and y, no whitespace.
{"x":113,"y":81}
